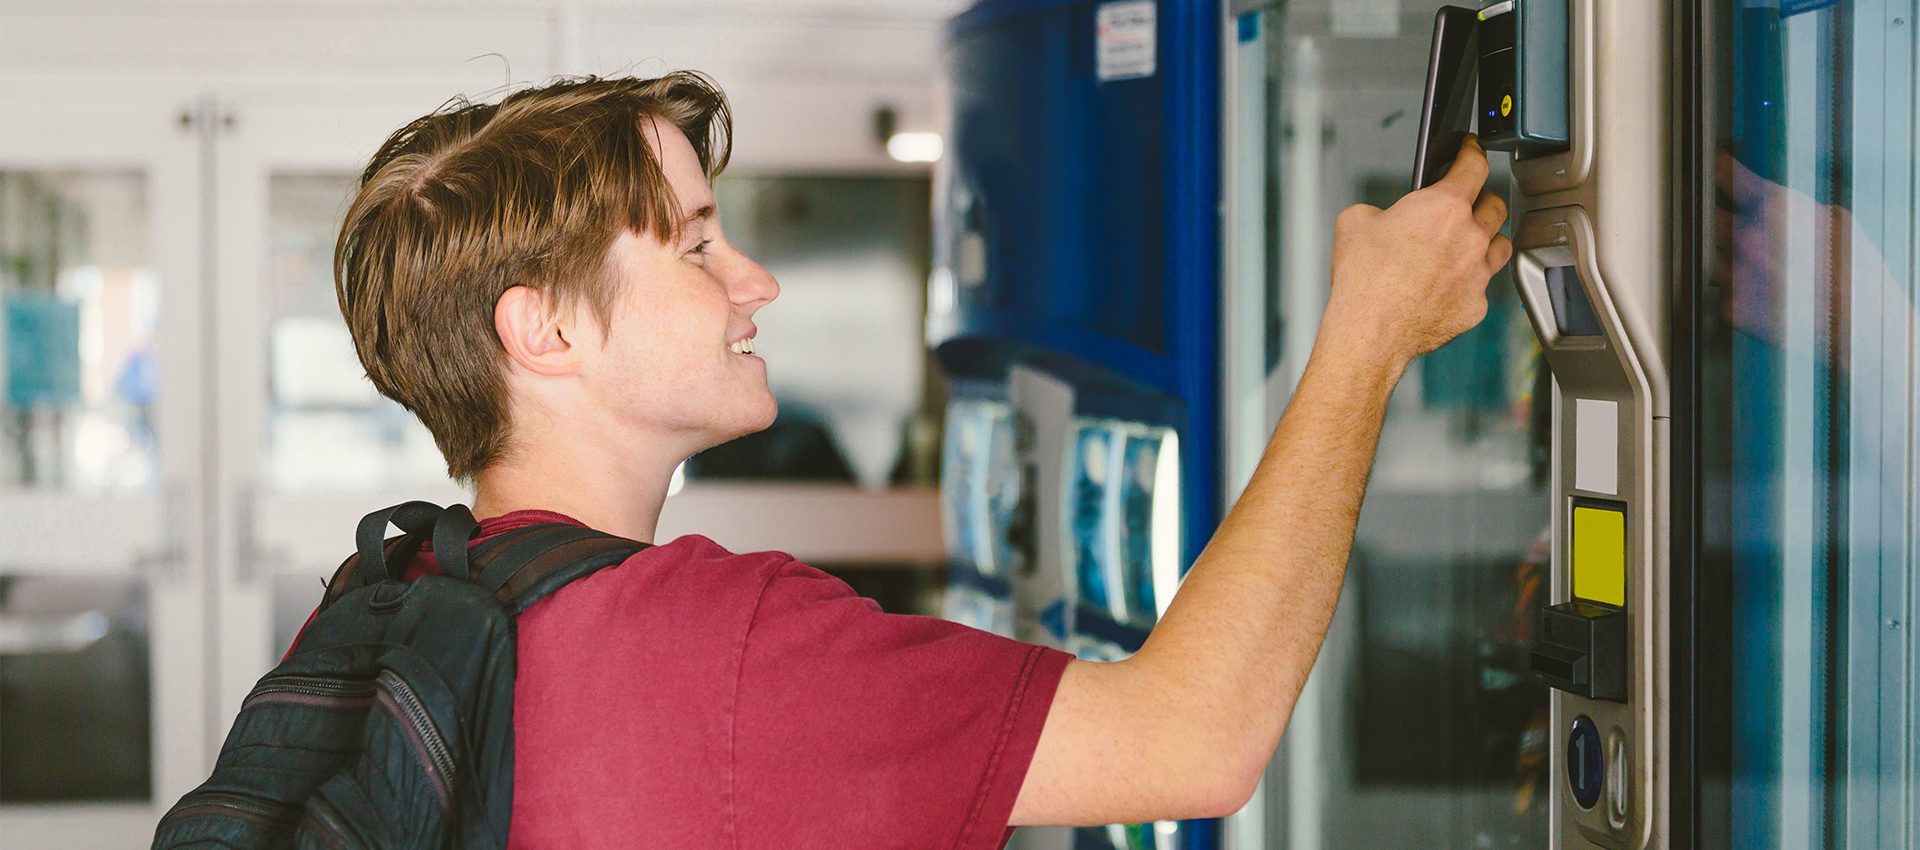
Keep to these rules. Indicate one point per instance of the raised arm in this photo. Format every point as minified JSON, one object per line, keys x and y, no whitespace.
{"x":1186,"y":726}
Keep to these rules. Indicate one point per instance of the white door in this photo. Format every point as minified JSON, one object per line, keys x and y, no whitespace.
{"x":104,"y":427}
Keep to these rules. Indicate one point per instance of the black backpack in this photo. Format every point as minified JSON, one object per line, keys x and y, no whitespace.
{"x":391,"y":723}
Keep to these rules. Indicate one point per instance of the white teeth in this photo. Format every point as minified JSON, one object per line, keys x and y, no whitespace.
{"x":744,"y":346}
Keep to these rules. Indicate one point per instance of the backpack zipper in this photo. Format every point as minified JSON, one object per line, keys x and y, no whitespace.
{"x":399,"y":697}
{"x":312,"y":690}
{"x":219,"y":804}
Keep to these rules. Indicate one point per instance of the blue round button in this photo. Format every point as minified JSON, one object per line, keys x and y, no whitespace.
{"x":1586,"y":770}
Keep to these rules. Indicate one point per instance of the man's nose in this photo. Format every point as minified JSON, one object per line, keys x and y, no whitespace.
{"x":751,"y":285}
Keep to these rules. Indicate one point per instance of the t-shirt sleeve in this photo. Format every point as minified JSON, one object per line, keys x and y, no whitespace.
{"x":858,"y":728}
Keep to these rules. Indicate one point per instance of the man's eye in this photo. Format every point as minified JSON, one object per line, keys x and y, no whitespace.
{"x":702,"y":247}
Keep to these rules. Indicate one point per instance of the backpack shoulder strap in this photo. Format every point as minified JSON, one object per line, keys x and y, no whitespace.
{"x":521,"y":566}
{"x":518,"y":567}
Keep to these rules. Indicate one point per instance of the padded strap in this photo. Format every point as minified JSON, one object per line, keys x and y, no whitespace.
{"x":571,"y":562}
{"x":503,"y":564}
{"x":543,"y":558}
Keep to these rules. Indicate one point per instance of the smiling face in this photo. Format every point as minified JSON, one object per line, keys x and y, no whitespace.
{"x":675,"y":364}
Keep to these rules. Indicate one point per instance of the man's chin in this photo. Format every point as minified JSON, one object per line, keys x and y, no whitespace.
{"x":753,"y":425}
{"x":767,"y":417}
{"x":757,"y":428}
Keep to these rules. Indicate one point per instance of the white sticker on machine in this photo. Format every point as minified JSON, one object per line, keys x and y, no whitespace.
{"x":1123,"y":35}
{"x":1596,"y":446}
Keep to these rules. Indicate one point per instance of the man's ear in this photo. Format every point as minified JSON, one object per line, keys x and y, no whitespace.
{"x":534,"y":336}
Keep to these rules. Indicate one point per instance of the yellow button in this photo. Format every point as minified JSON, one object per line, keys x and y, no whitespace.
{"x":1600,"y":555}
{"x":1506,"y":106}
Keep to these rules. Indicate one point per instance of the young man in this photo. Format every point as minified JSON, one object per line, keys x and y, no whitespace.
{"x":546,"y":284}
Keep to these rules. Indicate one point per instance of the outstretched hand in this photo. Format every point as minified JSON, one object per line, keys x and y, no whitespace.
{"x":1410,"y":278}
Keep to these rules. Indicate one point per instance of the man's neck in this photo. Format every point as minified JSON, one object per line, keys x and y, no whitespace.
{"x":616,"y":495}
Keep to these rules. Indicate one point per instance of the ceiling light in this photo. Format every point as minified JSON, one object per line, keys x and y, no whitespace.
{"x":915,"y":147}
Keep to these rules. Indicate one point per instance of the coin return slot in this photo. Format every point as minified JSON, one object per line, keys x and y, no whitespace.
{"x":1617,"y":788}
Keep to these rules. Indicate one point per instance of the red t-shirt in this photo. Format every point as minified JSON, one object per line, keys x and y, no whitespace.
{"x":691,"y":697}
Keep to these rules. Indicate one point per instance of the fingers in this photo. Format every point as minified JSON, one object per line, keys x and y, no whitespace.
{"x":1499,"y":251}
{"x":1352,"y":216}
{"x":1469,"y":171}
{"x":1490,"y":211}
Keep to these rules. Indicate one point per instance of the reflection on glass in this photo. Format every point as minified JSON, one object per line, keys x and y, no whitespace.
{"x":1426,"y":727}
{"x":79,"y":303}
{"x":1809,"y":387}
{"x":74,"y":690}
{"x":327,"y":428}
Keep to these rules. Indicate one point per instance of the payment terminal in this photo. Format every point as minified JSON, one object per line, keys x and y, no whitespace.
{"x":1571,"y":90}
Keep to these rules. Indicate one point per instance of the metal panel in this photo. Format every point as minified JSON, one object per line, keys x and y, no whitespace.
{"x":1601,"y":207}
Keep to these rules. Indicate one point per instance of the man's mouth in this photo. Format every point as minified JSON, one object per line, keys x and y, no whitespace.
{"x":743,"y":346}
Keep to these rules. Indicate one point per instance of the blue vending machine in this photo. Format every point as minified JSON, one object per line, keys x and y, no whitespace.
{"x":1074,"y":307}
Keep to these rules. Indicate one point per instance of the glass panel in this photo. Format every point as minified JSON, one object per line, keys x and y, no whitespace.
{"x":844,"y":341}
{"x":1812,"y":385}
{"x":79,"y":302}
{"x":982,"y":518}
{"x":1122,"y":496}
{"x":74,"y":690}
{"x":327,"y":428}
{"x":1422,"y":725}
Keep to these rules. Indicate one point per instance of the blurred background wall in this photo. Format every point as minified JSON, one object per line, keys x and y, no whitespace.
{"x":186,"y":439}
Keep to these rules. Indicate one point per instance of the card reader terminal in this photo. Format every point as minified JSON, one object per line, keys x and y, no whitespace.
{"x":1523,"y":76}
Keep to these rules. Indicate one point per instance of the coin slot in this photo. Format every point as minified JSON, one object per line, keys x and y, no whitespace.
{"x":1573,"y":312}
{"x":1618,"y":790}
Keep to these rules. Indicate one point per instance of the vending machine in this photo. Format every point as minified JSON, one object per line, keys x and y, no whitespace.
{"x":1634,"y":568}
{"x":1567,"y":89}
{"x":1074,"y":309}
{"x":1498,"y":675}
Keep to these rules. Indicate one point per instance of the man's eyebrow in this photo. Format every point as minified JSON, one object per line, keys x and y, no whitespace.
{"x":693,"y":219}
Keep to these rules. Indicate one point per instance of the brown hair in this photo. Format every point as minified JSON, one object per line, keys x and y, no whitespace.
{"x":475,"y":199}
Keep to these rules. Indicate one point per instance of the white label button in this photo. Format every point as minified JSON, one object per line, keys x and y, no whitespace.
{"x":1596,"y":446}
